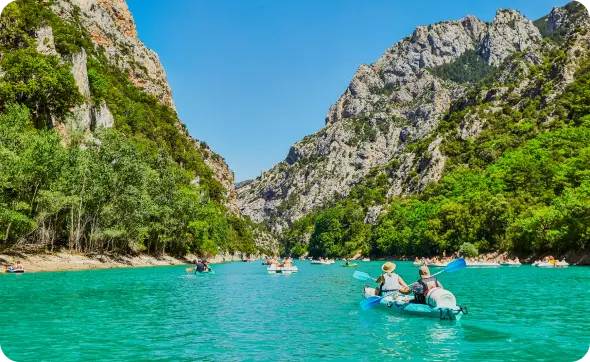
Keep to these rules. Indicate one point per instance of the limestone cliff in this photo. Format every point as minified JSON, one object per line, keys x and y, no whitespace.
{"x":399,"y":101}
{"x":111,"y":27}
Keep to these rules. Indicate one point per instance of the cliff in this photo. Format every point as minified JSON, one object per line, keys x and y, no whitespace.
{"x":388,"y":119}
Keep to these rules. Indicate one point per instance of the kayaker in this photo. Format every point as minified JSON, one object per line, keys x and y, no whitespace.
{"x":422,"y":286}
{"x":389,"y":281}
{"x":206,"y":266}
{"x":20,"y":266}
{"x":200,"y":267}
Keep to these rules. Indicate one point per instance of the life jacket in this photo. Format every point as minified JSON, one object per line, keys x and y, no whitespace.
{"x":427,"y":284}
{"x":200,"y":267}
{"x":390,"y":283}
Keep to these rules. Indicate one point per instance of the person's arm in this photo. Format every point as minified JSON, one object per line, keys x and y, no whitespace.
{"x":401,"y":282}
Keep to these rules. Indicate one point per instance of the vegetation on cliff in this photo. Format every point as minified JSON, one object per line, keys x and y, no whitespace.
{"x":130,"y":188}
{"x":522,"y":184}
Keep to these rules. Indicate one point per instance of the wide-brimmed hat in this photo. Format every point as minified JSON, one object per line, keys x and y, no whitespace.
{"x":388,"y":267}
{"x":424,"y":272}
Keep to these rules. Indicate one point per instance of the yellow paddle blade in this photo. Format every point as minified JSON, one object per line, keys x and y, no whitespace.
{"x":189,"y":269}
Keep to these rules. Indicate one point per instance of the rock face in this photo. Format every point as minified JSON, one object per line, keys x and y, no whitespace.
{"x":111,"y":25}
{"x":390,"y":104}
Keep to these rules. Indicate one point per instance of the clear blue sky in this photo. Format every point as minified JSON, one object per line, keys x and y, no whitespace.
{"x":252,"y":77}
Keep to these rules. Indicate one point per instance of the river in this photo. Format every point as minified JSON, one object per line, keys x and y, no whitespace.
{"x":242,"y":313}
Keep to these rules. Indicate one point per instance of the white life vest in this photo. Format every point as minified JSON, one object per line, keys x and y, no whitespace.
{"x":390,"y":283}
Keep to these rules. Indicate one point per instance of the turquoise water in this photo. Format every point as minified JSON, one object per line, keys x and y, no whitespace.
{"x":242,"y":313}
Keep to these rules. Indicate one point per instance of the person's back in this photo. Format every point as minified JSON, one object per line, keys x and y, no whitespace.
{"x":200,"y":267}
{"x":421,"y":288}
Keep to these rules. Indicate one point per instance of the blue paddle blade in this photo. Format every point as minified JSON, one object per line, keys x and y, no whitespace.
{"x":361,"y":276}
{"x":456,"y":265}
{"x":370,"y":302}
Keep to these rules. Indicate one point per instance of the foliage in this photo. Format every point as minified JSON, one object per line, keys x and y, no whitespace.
{"x":468,"y":250}
{"x":522,"y":184}
{"x":126,"y":189}
{"x":469,"y":67}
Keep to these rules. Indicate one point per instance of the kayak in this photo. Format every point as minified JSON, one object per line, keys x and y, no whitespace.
{"x":438,"y":265}
{"x":321,"y":262}
{"x":366,"y":259}
{"x":351,"y":265}
{"x":510,"y":263}
{"x":483,"y":265}
{"x":559,"y":264}
{"x":15,"y":271}
{"x":401,"y":304}
{"x":273,"y":269}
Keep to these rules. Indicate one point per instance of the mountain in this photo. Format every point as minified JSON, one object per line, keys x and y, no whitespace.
{"x":455,"y":95}
{"x":119,"y":170}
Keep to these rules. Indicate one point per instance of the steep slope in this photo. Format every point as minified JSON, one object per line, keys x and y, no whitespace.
{"x":76,"y":68}
{"x":516,"y":173}
{"x":388,"y":105}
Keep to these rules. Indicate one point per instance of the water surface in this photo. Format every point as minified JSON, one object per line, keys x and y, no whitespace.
{"x":242,"y":313}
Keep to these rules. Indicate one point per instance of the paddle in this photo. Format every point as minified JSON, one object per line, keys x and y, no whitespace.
{"x":188,"y":270}
{"x":370,"y":302}
{"x":362,"y":276}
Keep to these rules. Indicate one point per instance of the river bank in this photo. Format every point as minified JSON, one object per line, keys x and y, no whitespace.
{"x":580,"y":257}
{"x":65,"y":261}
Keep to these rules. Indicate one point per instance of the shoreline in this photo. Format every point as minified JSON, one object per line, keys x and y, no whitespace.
{"x":65,"y":261}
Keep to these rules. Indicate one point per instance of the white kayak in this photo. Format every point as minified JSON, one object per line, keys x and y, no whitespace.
{"x":366,"y":259}
{"x":448,"y":311}
{"x":559,"y":264}
{"x":478,"y":264}
{"x":510,"y":263}
{"x":273,"y":269}
{"x":438,"y":265}
{"x":321,"y":262}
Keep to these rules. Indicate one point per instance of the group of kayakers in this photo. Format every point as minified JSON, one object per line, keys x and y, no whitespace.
{"x":15,"y":268}
{"x":287,"y":261}
{"x":443,"y":259}
{"x":389,"y":282}
{"x":548,"y":259}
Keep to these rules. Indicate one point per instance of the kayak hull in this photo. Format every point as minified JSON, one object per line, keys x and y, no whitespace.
{"x":483,"y":265}
{"x":15,"y":271}
{"x":550,"y":265}
{"x":510,"y":264}
{"x":349,"y":265}
{"x":403,"y":306}
{"x":282,"y":270}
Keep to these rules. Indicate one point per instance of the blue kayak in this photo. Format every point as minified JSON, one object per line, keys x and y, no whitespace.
{"x":404,"y":306}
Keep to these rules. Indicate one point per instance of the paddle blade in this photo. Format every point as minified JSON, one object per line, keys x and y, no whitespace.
{"x":370,"y":302}
{"x":361,"y":276}
{"x":188,"y":270}
{"x":456,"y":265}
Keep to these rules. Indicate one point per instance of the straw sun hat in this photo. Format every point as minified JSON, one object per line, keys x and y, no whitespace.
{"x":388,"y":267}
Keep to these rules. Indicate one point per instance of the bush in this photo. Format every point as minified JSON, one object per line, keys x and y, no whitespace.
{"x":468,"y":250}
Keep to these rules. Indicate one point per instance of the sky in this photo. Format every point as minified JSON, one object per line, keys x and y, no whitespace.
{"x":252,"y":77}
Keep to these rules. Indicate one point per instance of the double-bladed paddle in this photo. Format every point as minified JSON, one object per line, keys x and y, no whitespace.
{"x":370,"y":302}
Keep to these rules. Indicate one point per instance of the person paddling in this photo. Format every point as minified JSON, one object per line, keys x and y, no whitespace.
{"x":199,"y":267}
{"x":422,"y":286}
{"x":389,"y":282}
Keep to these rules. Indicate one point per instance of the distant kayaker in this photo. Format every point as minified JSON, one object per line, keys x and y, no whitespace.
{"x":200,"y":267}
{"x":389,"y":281}
{"x":206,"y":266}
{"x":20,"y":266}
{"x":422,"y":286}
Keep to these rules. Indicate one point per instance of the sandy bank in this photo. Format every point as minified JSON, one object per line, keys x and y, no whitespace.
{"x":64,"y":261}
